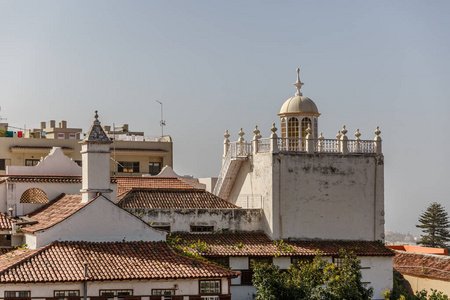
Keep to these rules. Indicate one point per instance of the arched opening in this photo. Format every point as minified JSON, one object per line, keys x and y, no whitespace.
{"x":283,"y":128}
{"x":305,"y":123}
{"x":34,"y":195}
{"x":293,"y":134}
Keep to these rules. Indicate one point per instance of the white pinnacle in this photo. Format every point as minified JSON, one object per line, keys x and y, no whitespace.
{"x":298,"y":84}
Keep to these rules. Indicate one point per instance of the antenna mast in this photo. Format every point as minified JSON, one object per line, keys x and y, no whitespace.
{"x":162,"y":122}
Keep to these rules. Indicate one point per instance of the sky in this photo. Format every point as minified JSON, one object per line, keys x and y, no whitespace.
{"x":218,"y":65}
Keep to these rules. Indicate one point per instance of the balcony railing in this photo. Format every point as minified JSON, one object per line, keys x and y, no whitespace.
{"x":319,"y":145}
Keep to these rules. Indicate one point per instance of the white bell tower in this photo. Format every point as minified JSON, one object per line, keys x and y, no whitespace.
{"x":95,"y":154}
{"x":296,"y":114}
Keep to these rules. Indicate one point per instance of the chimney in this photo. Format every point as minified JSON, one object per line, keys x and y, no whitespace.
{"x":52,"y":123}
{"x":43,"y":124}
{"x":64,"y":124}
{"x":95,"y":155}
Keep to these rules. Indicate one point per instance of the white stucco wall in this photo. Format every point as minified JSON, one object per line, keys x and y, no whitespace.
{"x":254,"y":185}
{"x":52,"y":190}
{"x":99,"y":221}
{"x":324,"y":196}
{"x":316,"y":196}
{"x":56,"y":163}
{"x":378,"y":270}
{"x":182,"y":219}
{"x":139,"y":287}
{"x":242,"y":292}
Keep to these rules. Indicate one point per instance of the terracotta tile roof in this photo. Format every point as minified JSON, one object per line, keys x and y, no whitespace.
{"x":54,"y":212}
{"x":258,"y":244}
{"x":151,"y":198}
{"x":44,"y":178}
{"x":423,"y":265}
{"x":126,"y":183}
{"x":63,"y":261}
{"x":6,"y":222}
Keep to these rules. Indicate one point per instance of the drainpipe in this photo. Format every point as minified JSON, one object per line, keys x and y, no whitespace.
{"x":85,"y":264}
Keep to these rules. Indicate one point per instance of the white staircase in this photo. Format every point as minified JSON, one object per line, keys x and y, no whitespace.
{"x":237,"y":153}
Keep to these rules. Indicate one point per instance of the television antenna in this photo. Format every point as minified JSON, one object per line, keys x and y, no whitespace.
{"x":162,"y":122}
{"x":1,"y":118}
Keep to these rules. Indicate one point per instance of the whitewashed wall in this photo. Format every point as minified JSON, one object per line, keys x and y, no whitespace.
{"x":182,"y":219}
{"x":319,"y":196}
{"x":99,"y":221}
{"x":55,"y":163}
{"x":14,"y":190}
{"x":139,"y":287}
{"x":378,"y":270}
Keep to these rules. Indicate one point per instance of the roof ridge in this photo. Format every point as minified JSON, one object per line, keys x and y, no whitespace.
{"x":38,"y":210}
{"x":197,"y":260}
{"x":33,"y":253}
{"x":68,"y":216}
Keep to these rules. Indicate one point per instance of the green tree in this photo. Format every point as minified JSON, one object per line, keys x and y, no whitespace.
{"x":435,"y":224}
{"x":314,"y":280}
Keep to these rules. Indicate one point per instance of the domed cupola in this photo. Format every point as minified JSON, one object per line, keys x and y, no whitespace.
{"x":297,"y":113}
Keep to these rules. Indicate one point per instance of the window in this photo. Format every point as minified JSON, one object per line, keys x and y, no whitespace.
{"x":210,"y":298}
{"x":116,"y":294}
{"x":65,"y":295}
{"x":61,"y":136}
{"x":31,"y":162}
{"x":209,"y":287}
{"x":5,"y":240}
{"x":259,"y":260}
{"x":338,"y":261}
{"x":201,"y":228}
{"x":17,"y":294}
{"x":283,"y":127}
{"x":297,"y":261}
{"x":128,"y":167}
{"x":166,"y":293}
{"x":293,"y":134}
{"x":154,"y":168}
{"x":34,"y":195}
{"x":2,"y":164}
{"x":221,"y":261}
{"x":72,"y":136}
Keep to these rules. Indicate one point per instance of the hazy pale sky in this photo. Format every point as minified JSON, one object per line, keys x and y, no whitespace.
{"x":220,"y":65}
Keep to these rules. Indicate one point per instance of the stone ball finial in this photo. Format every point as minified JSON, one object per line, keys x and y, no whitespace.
{"x":241,"y":133}
{"x":96,"y":115}
{"x":377,"y":131}
{"x":344,"y":131}
{"x":257,"y":132}
{"x":273,"y":129}
{"x":241,"y":136}
{"x":226,"y":135}
{"x":357,"y":134}
{"x":308,"y":129}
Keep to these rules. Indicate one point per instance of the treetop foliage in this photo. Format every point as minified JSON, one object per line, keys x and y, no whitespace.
{"x":317,"y":279}
{"x":435,"y":226}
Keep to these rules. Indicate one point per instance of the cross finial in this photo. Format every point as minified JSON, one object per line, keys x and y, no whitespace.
{"x":298,"y":84}
{"x":96,"y":115}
